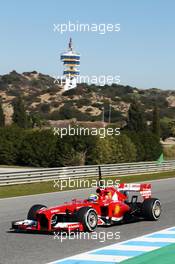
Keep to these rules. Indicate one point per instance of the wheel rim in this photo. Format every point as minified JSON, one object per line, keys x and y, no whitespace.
{"x":92,"y":220}
{"x":54,"y":220}
{"x":157,"y":209}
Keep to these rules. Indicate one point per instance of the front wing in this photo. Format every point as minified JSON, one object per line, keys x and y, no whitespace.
{"x":31,"y":225}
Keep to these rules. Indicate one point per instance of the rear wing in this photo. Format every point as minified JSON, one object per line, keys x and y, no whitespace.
{"x":143,"y":188}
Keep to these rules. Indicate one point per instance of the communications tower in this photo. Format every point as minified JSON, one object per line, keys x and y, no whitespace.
{"x":71,"y":63}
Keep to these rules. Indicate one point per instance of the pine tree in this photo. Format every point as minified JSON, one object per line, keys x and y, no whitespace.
{"x":156,"y":121}
{"x":136,"y":120}
{"x":2,"y":117}
{"x":20,"y":115}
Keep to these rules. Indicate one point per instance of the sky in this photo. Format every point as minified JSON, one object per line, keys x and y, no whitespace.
{"x":142,"y":53}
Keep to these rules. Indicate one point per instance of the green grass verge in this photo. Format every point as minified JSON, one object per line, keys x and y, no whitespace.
{"x":45,"y":187}
{"x":165,"y":255}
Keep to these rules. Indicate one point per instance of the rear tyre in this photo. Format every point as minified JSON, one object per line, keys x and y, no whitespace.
{"x":152,"y":209}
{"x":33,"y":210}
{"x":88,"y":217}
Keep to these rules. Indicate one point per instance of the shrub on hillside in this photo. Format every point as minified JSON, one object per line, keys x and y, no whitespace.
{"x":38,"y":148}
{"x":135,"y":138}
{"x":152,"y":146}
{"x":113,"y":149}
{"x":147,"y":145}
{"x":10,"y":143}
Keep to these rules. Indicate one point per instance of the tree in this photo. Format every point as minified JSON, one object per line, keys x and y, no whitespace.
{"x":124,"y":149}
{"x":156,"y":122}
{"x":113,"y":149}
{"x":136,"y":120}
{"x":74,"y":150}
{"x":20,"y":116}
{"x":102,"y":151}
{"x":2,"y":117}
{"x":151,"y":144}
{"x":10,"y":143}
{"x":36,"y":120}
{"x":165,"y":128}
{"x":38,"y":148}
{"x":135,"y":138}
{"x":171,"y":126}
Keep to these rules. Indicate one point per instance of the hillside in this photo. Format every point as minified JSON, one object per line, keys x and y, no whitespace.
{"x":85,"y":103}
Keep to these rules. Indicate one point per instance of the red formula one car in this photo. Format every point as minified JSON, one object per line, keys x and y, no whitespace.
{"x":107,"y":207}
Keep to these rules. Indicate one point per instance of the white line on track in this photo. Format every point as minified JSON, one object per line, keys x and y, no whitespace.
{"x":98,"y":257}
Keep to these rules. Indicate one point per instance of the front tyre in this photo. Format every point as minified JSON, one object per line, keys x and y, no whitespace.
{"x":152,"y":209}
{"x":88,"y":217}
{"x":33,"y":210}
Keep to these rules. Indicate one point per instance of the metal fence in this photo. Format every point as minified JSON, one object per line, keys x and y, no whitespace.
{"x":120,"y":169}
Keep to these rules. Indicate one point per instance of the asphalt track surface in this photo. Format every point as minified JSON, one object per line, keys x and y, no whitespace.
{"x":19,"y":248}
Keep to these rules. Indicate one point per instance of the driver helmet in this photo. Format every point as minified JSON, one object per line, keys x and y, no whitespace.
{"x":93,"y":197}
